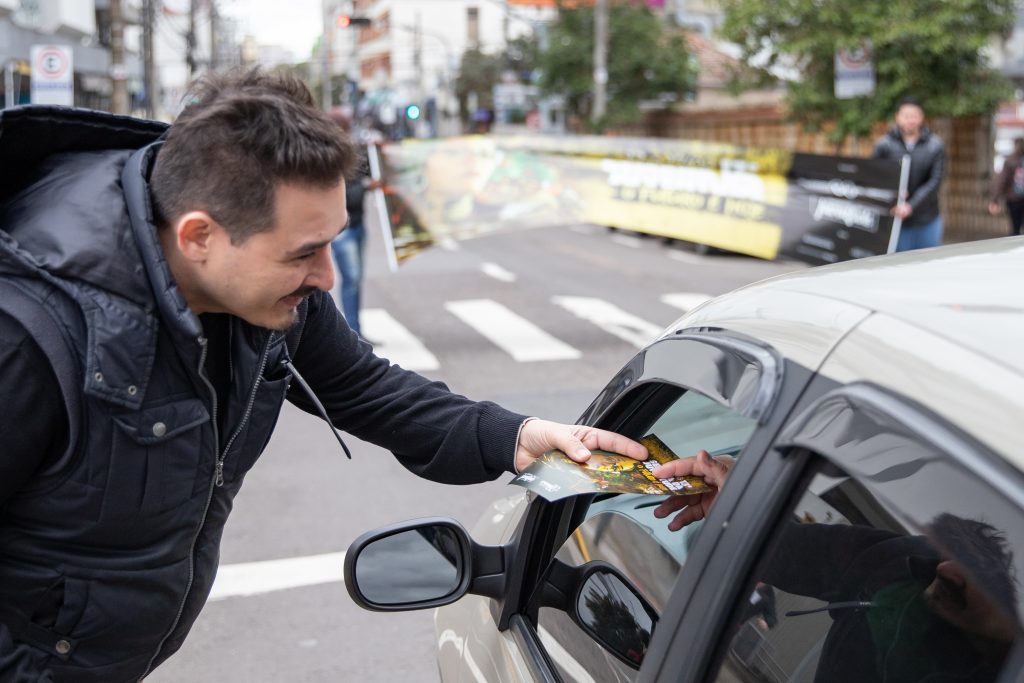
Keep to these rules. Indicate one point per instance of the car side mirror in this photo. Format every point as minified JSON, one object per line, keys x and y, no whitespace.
{"x":413,"y":565}
{"x":614,"y":614}
{"x":602,"y":602}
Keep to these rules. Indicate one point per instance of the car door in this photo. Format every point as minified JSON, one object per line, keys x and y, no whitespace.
{"x":708,"y":389}
{"x":876,"y":541}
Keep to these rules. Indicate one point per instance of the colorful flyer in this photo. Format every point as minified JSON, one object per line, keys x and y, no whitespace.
{"x":554,"y":475}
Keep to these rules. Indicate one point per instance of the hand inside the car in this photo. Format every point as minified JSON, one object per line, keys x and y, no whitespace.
{"x":540,"y":436}
{"x":695,"y":507}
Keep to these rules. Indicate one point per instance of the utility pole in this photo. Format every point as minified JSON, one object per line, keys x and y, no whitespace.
{"x":326,"y":46}
{"x":118,"y":71}
{"x":190,"y":39}
{"x":149,"y":59}
{"x":214,"y":29}
{"x":600,"y":60}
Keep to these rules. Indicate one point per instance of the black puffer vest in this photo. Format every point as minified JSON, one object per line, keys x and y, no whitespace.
{"x":108,"y":556}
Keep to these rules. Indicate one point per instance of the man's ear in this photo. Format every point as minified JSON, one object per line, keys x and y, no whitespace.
{"x":193,"y":233}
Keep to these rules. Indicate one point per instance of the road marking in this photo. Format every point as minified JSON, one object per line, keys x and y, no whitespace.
{"x":515,"y":335}
{"x":686,"y":257}
{"x":611,"y":319}
{"x":448,"y":244}
{"x":685,"y":300}
{"x":393,"y":341}
{"x":628,"y":241}
{"x":254,"y":578}
{"x":497,"y":272}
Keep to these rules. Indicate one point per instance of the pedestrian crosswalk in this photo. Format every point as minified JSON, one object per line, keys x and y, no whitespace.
{"x":514,"y":333}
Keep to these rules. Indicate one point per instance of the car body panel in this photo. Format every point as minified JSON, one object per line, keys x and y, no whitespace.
{"x":941,"y":375}
{"x":801,"y":326}
{"x":471,"y":655}
{"x":947,"y":291}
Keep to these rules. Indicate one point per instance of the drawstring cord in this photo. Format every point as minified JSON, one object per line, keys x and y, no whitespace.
{"x":319,"y":406}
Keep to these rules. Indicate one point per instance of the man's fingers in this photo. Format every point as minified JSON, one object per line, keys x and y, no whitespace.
{"x":691,"y":514}
{"x":616,"y":443}
{"x":703,"y":465}
{"x":671,"y":504}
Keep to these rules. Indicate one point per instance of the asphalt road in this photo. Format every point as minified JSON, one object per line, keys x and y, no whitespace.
{"x":537,"y":321}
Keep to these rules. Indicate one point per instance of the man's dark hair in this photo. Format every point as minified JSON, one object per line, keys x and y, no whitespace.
{"x":983,"y":551}
{"x":908,"y":100}
{"x":240,"y":135}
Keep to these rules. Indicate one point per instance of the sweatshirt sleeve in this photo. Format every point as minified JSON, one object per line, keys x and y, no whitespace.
{"x":33,"y":428}
{"x":433,"y":432}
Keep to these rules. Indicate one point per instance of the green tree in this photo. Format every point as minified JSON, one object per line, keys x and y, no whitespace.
{"x":647,"y":61}
{"x":930,"y":49}
{"x":480,"y":71}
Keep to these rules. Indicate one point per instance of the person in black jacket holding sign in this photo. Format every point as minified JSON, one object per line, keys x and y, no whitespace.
{"x":919,"y":209}
{"x":162,"y":293}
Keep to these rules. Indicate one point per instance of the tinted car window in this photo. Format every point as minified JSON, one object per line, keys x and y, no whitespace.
{"x":622,"y":530}
{"x":858,"y":585}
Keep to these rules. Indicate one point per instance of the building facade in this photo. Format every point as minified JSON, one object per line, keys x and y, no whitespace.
{"x":81,"y":25}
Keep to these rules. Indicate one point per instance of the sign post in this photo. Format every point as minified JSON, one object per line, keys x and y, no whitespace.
{"x":53,"y":79}
{"x":855,"y":71}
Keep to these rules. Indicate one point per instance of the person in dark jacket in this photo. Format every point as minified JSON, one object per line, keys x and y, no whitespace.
{"x":1008,"y":187}
{"x":921,"y":221}
{"x":162,"y":293}
{"x":350,"y":246}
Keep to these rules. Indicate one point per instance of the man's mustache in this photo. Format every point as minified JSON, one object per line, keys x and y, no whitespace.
{"x":303,"y":292}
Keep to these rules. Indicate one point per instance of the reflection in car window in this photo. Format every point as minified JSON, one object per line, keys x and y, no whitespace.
{"x":852,"y":589}
{"x":622,"y":530}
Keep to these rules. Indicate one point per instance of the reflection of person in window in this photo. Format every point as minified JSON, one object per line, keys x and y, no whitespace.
{"x":618,"y":626}
{"x":900,"y":610}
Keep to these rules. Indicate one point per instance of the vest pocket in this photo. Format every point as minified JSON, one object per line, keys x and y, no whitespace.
{"x":155,"y":458}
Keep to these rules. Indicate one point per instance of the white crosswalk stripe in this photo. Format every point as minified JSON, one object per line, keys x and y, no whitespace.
{"x":497,"y":272}
{"x":518,"y":337}
{"x":394,"y":342}
{"x":610,"y":318}
{"x":254,"y":578}
{"x":687,"y":301}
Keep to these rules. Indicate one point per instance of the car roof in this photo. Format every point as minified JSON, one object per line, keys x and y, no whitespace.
{"x":944,"y":327}
{"x":971,"y":294}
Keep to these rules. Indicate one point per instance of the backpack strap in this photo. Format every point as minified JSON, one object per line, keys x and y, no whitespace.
{"x":38,"y":306}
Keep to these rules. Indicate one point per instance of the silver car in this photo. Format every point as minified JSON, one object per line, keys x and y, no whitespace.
{"x":871,"y":528}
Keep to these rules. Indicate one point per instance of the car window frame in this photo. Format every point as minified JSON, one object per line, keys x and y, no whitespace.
{"x":705,"y":596}
{"x":646,"y":386}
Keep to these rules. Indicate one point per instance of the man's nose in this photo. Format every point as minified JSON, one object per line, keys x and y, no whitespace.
{"x":322,"y":276}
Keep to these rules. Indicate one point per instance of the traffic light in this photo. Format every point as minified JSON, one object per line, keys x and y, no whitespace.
{"x":347,"y":21}
{"x":412,"y":112}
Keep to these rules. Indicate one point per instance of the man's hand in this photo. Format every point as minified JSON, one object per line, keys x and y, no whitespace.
{"x":694,"y":507}
{"x":540,"y":436}
{"x":994,"y":208}
{"x":902,"y":210}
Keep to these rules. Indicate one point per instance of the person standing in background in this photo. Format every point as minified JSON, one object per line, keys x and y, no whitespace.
{"x":350,"y":245}
{"x":1008,"y":186}
{"x":919,"y":210}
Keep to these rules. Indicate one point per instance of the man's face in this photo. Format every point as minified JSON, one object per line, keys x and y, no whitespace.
{"x":263,"y":279}
{"x":956,"y":599}
{"x":909,"y":119}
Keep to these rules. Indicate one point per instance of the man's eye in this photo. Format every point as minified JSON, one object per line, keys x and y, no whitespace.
{"x":305,"y":257}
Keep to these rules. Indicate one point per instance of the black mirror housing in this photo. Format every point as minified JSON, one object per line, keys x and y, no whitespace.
{"x":420,"y":564}
{"x":411,"y":565}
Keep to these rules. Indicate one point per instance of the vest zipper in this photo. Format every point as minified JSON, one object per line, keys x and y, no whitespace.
{"x":218,"y":479}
